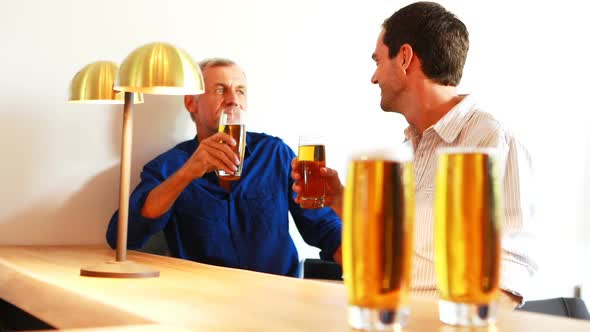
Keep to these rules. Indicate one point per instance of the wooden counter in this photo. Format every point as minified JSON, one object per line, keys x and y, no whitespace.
{"x":45,"y":282}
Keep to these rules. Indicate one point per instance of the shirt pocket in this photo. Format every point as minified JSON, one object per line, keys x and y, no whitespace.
{"x":202,"y":218}
{"x":424,"y":198}
{"x":203,"y":227}
{"x":263,"y":211}
{"x":427,"y":190}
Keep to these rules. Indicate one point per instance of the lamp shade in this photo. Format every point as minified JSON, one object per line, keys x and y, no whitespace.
{"x":160,"y":68}
{"x":93,"y":84}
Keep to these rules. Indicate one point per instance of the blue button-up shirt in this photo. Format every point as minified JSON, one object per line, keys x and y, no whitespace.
{"x":247,"y":227}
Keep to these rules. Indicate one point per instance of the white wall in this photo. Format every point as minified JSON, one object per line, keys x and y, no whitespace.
{"x":308,"y":65}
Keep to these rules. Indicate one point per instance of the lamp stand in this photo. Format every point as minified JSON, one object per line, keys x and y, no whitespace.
{"x":122,"y":268}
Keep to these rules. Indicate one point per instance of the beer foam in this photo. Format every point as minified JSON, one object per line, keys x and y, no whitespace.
{"x":398,"y":153}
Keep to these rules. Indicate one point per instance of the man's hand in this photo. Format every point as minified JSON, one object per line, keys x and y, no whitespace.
{"x":213,"y":153}
{"x":509,"y":300}
{"x":334,"y":189}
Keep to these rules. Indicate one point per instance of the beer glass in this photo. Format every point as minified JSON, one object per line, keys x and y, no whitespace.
{"x":467,"y":235}
{"x":232,"y":121}
{"x":311,"y":157}
{"x":377,"y":239}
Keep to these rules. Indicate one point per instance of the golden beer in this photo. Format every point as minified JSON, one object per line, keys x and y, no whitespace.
{"x":467,"y":229}
{"x":311,"y":158}
{"x":238,"y":132}
{"x":377,"y":239}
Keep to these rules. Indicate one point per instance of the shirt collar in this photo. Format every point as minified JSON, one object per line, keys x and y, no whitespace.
{"x":450,"y":125}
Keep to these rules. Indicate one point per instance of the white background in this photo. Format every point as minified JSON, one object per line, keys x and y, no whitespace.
{"x":309,"y":67}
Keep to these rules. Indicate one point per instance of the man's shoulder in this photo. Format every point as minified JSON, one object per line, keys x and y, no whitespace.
{"x":265,"y":146}
{"x":255,"y":138}
{"x":488,"y":128}
{"x":482,"y":121}
{"x":174,"y":157}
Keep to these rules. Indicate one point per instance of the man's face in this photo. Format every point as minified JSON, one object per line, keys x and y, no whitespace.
{"x":389,"y":76}
{"x":224,"y":86}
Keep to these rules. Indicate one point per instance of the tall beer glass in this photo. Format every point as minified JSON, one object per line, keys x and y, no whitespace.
{"x":311,"y":157}
{"x":467,"y":235}
{"x":377,"y":239}
{"x":232,"y":121}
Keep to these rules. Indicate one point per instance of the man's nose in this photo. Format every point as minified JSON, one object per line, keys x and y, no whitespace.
{"x":374,"y":78}
{"x":231,"y":99}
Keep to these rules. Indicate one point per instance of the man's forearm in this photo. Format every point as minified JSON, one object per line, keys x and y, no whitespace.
{"x":161,"y":198}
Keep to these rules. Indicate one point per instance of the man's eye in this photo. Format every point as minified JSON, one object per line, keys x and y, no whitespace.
{"x":242,"y":92}
{"x":219,"y":90}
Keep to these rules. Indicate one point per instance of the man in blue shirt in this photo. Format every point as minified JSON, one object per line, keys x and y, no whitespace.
{"x":241,"y":224}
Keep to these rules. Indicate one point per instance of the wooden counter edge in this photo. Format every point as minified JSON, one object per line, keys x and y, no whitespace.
{"x":56,"y":306}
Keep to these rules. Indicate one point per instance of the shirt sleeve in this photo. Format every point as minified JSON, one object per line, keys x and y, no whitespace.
{"x":518,"y":240}
{"x":518,"y":227}
{"x":321,"y":228}
{"x":140,"y":228}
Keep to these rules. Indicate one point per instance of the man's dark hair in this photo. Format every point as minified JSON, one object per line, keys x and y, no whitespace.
{"x":437,"y":36}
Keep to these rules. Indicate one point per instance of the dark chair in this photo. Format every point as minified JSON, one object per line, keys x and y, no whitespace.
{"x":156,"y":245}
{"x":561,"y":306}
{"x":320,"y":269}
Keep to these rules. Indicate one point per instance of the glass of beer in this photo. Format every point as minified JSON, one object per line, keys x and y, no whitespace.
{"x":232,"y":121}
{"x":467,"y":246}
{"x":311,"y":157}
{"x":377,"y":238}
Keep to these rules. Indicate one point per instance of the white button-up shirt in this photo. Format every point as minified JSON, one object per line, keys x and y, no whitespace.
{"x":467,"y":126}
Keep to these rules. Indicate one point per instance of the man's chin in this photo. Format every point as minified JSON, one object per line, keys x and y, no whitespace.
{"x":389,"y":109}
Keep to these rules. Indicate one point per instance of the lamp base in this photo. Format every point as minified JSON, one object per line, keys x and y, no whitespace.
{"x":123,"y":269}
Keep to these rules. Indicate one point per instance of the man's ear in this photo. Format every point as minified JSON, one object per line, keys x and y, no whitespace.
{"x":406,"y":56}
{"x":189,"y":100}
{"x":190,"y":103}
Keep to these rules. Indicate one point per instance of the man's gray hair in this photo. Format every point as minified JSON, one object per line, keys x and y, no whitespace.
{"x":215,"y":62}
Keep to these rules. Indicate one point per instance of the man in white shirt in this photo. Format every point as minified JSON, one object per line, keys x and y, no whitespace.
{"x":420,"y":54}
